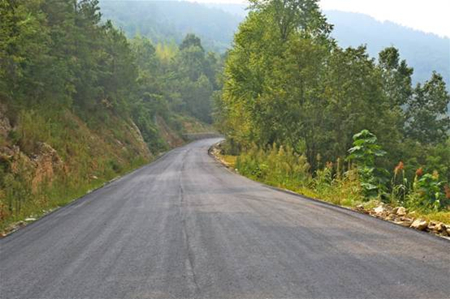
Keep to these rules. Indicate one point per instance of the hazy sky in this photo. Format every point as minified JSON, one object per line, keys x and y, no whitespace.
{"x":426,"y":15}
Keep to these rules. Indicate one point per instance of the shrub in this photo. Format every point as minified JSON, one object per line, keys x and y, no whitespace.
{"x":363,"y":153}
{"x":428,"y":193}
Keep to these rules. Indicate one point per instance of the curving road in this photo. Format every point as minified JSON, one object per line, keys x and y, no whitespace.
{"x":185,"y":227}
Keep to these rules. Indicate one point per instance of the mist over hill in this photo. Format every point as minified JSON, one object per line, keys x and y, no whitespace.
{"x":170,"y":21}
{"x":216,"y":24}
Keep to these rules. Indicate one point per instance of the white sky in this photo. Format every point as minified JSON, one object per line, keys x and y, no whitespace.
{"x":425,"y":15}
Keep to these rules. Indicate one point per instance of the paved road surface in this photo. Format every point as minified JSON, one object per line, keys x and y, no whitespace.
{"x":185,"y":227}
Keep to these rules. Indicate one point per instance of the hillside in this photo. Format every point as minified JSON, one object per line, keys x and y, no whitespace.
{"x":81,"y":104}
{"x":48,"y":158}
{"x":172,"y":20}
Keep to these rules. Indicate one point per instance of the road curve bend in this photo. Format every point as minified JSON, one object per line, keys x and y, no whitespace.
{"x":186,"y":227}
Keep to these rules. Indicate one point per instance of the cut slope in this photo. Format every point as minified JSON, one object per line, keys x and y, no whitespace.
{"x":48,"y":157}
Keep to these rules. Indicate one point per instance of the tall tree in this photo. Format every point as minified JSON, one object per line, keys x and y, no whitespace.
{"x":428,"y":120}
{"x":191,"y":40}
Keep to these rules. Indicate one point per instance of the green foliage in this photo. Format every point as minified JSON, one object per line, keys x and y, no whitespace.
{"x":282,"y":167}
{"x":175,"y":80}
{"x":215,"y":23}
{"x":438,"y":158}
{"x":191,"y":41}
{"x":396,"y":77}
{"x":364,"y":151}
{"x":428,"y":193}
{"x":59,"y":53}
{"x":427,"y":115}
{"x":287,"y":82}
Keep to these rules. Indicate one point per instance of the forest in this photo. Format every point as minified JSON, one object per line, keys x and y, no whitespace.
{"x":302,"y":113}
{"x":80,"y":103}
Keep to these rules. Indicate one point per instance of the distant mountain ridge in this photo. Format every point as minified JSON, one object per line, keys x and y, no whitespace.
{"x":425,"y":52}
{"x":216,"y":23}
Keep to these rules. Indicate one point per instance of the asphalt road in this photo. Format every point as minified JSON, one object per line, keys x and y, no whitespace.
{"x":186,"y":227}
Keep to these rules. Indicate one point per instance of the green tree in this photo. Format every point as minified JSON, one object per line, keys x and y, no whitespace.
{"x":24,"y":51}
{"x":397,"y":77}
{"x":427,"y":115}
{"x":191,"y":40}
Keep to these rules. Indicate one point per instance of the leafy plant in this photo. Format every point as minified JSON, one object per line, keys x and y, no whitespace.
{"x":363,"y":153}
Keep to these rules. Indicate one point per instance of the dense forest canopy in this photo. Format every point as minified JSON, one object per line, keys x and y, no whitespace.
{"x":216,"y":23}
{"x":288,"y":83}
{"x":60,"y":53}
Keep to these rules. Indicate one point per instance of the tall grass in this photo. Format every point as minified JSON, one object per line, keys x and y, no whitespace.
{"x":282,"y":167}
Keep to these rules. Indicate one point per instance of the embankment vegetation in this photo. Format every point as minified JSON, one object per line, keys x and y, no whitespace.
{"x":81,"y":104}
{"x":302,"y":113}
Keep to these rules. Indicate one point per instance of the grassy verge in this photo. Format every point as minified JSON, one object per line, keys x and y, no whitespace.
{"x":56,"y":196}
{"x":341,"y":191}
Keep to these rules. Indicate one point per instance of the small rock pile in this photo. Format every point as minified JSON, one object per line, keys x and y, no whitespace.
{"x":400,"y":216}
